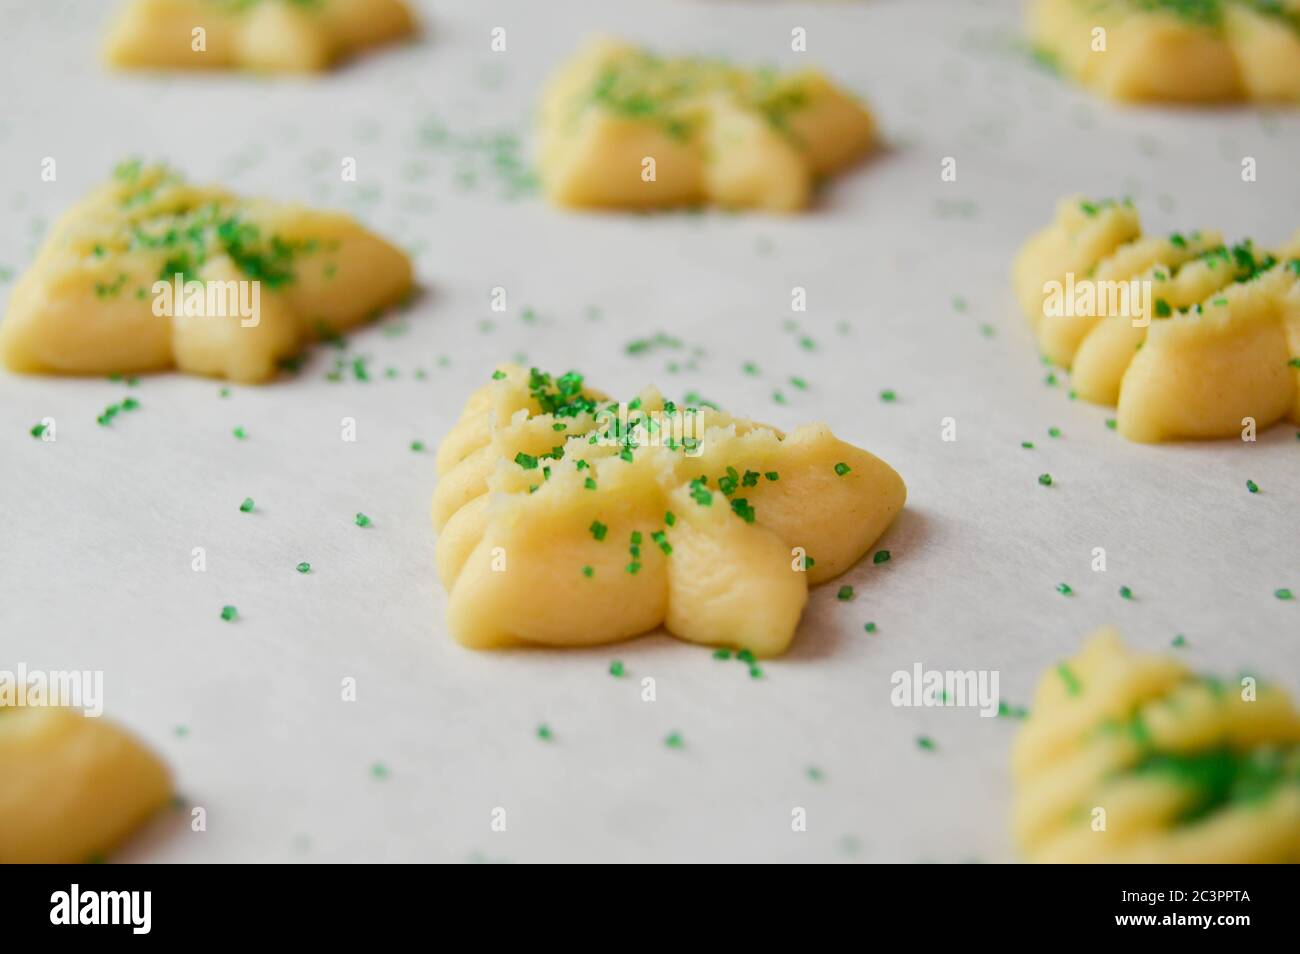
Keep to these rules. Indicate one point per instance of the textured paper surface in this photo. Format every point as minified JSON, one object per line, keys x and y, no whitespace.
{"x":98,"y":527}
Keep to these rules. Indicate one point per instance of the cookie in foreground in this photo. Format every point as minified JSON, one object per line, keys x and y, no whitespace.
{"x":74,"y":787}
{"x":567,"y":519}
{"x":1130,"y":757}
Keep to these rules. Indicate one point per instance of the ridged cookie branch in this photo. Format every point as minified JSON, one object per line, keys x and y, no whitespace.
{"x":567,"y":522}
{"x":1188,"y":337}
{"x":149,"y":273}
{"x":74,"y":787}
{"x":1174,"y":50}
{"x":270,"y":36}
{"x":1128,"y":757}
{"x":623,"y":128}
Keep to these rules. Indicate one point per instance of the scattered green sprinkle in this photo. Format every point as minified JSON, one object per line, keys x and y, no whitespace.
{"x":598,"y":529}
{"x":379,"y":771}
{"x":1064,"y":589}
{"x":1045,"y":479}
{"x":304,"y":567}
{"x":1125,"y":593}
{"x":1252,"y":486}
{"x":888,"y":396}
{"x":722,"y":654}
{"x":616,"y":669}
{"x":842,"y":468}
{"x":870,"y":627}
{"x":240,"y":433}
{"x":845,"y":594}
{"x":362,"y":520}
{"x":544,"y":732}
{"x":228,"y":613}
{"x":417,"y":446}
{"x":246,"y":506}
{"x":925,"y":742}
{"x":588,"y":572}
{"x":880,"y":556}
{"x":1179,"y":641}
{"x":1284,"y":594}
{"x":674,"y":740}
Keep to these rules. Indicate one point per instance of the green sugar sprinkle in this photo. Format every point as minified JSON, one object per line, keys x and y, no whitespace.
{"x":1072,"y":684}
{"x":1125,"y":593}
{"x":1027,"y":445}
{"x":246,"y":506}
{"x":228,"y":613}
{"x":925,"y":743}
{"x":870,"y":627}
{"x":722,"y":654}
{"x":526,"y":461}
{"x":842,"y":468}
{"x":674,"y":740}
{"x":379,"y":771}
{"x":1284,"y":594}
{"x":1045,"y":479}
{"x":880,"y":556}
{"x":1064,"y":589}
{"x":240,"y":433}
{"x":362,"y":520}
{"x":37,"y":430}
{"x":616,"y":669}
{"x":1179,"y":641}
{"x":815,"y":774}
{"x":588,"y":572}
{"x":1112,"y":423}
{"x":1053,"y":432}
{"x":1252,"y":486}
{"x":598,"y":529}
{"x":670,"y":518}
{"x":845,"y":594}
{"x":755,"y":672}
{"x":544,"y":732}
{"x":304,"y":567}
{"x":417,"y":446}
{"x":888,"y":396}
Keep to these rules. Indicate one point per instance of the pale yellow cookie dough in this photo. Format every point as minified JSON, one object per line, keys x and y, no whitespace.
{"x":1173,"y":50}
{"x":1210,"y":346}
{"x":73,"y":787}
{"x":1128,"y":757}
{"x":551,"y":532}
{"x":91,"y":303}
{"x":623,"y":128}
{"x":281,"y":36}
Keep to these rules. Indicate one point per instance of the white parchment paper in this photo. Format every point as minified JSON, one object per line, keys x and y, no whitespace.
{"x":906,"y":279}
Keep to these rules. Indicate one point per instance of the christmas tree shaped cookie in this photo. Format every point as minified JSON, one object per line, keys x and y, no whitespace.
{"x":1128,"y":757}
{"x":623,"y":128}
{"x":283,"y":36}
{"x":567,"y":519}
{"x":1187,"y":336}
{"x":74,"y":787}
{"x":1174,"y":50}
{"x":150,"y":273}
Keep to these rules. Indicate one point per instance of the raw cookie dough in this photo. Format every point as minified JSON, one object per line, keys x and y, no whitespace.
{"x":1174,"y":50}
{"x":1184,"y":768}
{"x":74,"y":787}
{"x":714,"y":132}
{"x":283,"y":36}
{"x":558,"y":526}
{"x":91,"y":303}
{"x":1216,"y":343}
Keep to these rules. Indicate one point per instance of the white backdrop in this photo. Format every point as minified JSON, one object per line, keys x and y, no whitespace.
{"x":907,"y":289}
